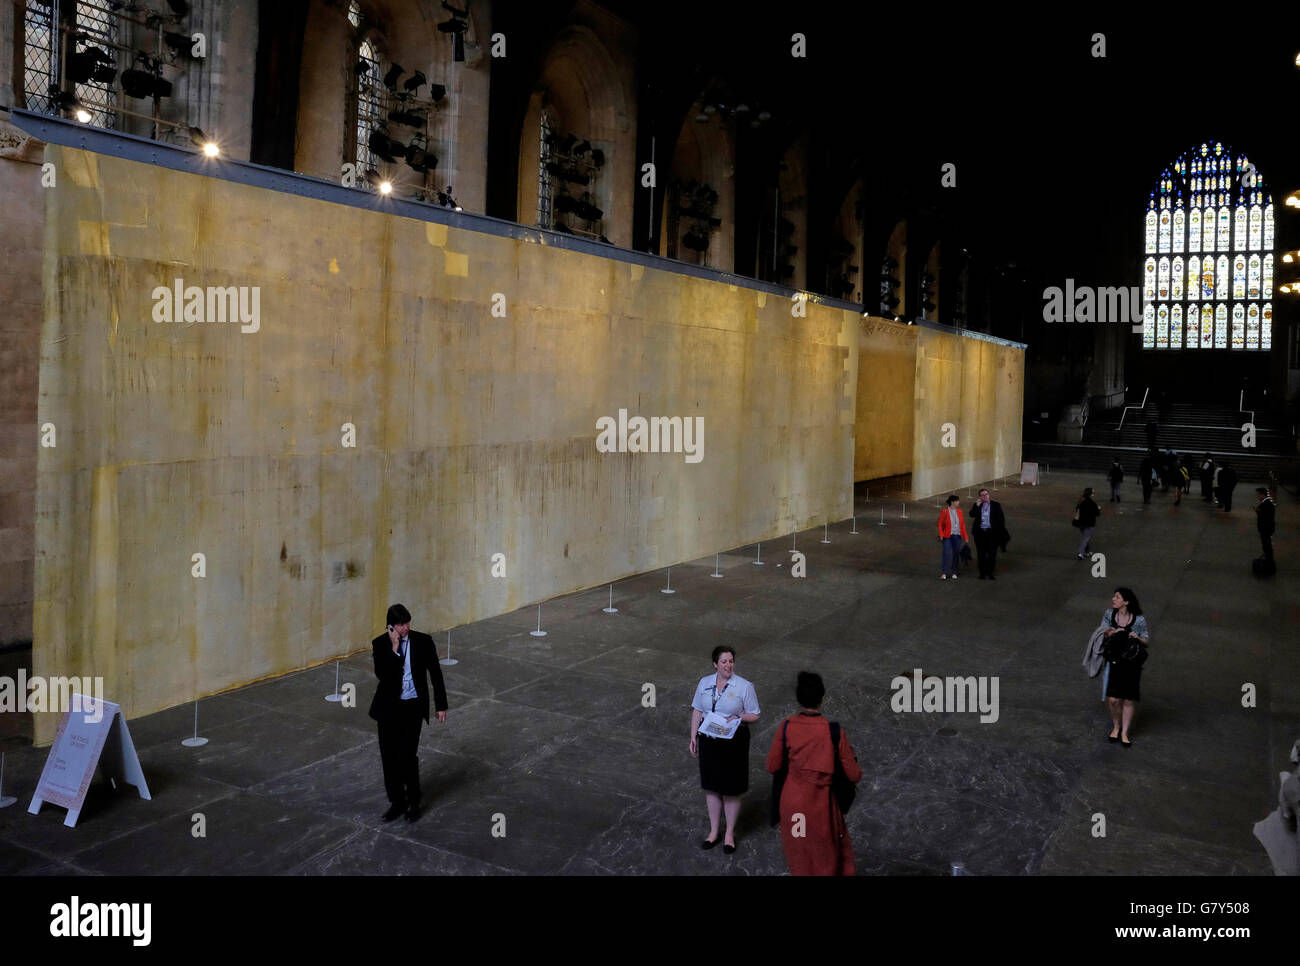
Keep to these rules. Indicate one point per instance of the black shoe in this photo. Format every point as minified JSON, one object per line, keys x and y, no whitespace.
{"x":728,"y":849}
{"x":1125,"y":744}
{"x":393,"y":812}
{"x":1112,"y":738}
{"x":708,"y":844}
{"x":413,"y":813}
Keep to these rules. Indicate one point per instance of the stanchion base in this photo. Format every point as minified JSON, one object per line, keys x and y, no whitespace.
{"x":717,"y":575}
{"x":448,"y":661}
{"x":334,"y":698}
{"x":667,"y":591}
{"x":6,"y":801}
{"x":825,"y":541}
{"x":759,"y":563}
{"x":610,"y":610}
{"x":194,"y":742}
{"x":537,"y":633}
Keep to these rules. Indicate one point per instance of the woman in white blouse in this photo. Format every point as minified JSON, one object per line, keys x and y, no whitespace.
{"x":724,"y":697}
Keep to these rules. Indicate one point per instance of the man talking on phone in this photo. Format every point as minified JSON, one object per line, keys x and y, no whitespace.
{"x":405,"y":661}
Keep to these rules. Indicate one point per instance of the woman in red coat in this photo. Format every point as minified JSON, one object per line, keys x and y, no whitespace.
{"x":813,"y":833}
{"x":952,"y":534}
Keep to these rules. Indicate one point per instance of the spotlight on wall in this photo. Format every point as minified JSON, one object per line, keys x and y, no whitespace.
{"x":408,"y":118}
{"x":61,"y":101}
{"x":456,"y":26}
{"x":447,"y":201}
{"x":203,"y":142}
{"x":384,"y":147}
{"x":418,"y":155}
{"x":179,"y":7}
{"x":437,"y":92}
{"x":414,"y":82}
{"x":146,"y":83}
{"x":390,"y":78}
{"x":93,"y":63}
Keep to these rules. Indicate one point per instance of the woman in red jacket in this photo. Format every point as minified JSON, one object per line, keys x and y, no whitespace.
{"x":952,"y":534}
{"x":813,"y":833}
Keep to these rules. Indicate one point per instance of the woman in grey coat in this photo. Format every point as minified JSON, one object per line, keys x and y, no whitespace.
{"x":1123,"y":620}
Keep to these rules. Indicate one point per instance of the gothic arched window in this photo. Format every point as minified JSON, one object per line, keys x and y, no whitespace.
{"x":369,"y":96}
{"x":1211,"y":205}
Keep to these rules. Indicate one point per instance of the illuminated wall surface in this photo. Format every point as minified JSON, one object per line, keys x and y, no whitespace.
{"x":969,"y":403}
{"x":475,"y":435}
{"x":886,"y":382}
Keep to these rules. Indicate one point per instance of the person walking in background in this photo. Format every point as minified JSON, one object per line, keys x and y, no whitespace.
{"x":813,"y":834}
{"x":990,"y":530}
{"x":1207,"y":478}
{"x":1227,"y":483}
{"x":1265,"y":515}
{"x":1116,"y":477}
{"x":1146,"y":471}
{"x":1127,"y":637}
{"x":723,"y":745}
{"x":952,"y":535}
{"x":1086,"y":512}
{"x":1181,"y":479}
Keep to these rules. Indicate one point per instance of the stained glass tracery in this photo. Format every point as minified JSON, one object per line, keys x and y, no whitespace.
{"x":1212,"y":206}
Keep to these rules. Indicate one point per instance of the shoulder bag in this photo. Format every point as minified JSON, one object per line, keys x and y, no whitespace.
{"x":778,"y":779}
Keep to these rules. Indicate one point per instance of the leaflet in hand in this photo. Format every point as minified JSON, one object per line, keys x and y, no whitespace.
{"x":717,"y":726}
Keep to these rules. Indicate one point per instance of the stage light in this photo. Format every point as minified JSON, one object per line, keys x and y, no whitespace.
{"x":456,"y":26}
{"x":179,"y":7}
{"x":447,"y":201}
{"x":385,"y":187}
{"x":390,"y":79}
{"x":437,"y":92}
{"x":764,"y":116}
{"x":414,"y":82}
{"x":598,"y":157}
{"x":1288,"y":258}
{"x":142,"y":84}
{"x":408,"y":118}
{"x":203,"y":142}
{"x":418,"y":156}
{"x":742,"y":108}
{"x":384,"y":147}
{"x":92,"y":63}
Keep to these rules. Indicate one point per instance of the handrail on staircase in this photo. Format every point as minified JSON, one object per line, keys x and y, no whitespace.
{"x":1127,"y":408}
{"x":1241,"y":401}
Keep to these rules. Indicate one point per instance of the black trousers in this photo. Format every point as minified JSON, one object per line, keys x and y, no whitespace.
{"x":399,"y":741}
{"x":1266,"y":541}
{"x":986,"y":546}
{"x":1225,"y":497}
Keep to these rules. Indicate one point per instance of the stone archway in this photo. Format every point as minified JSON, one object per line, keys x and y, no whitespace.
{"x":704,"y":156}
{"x":586,"y":96}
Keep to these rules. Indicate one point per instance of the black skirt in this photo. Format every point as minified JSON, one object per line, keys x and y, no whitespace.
{"x":1124,"y":679}
{"x":724,"y":763}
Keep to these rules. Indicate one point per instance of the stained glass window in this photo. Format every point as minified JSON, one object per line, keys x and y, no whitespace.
{"x":41,"y":53}
{"x":1212,"y":205}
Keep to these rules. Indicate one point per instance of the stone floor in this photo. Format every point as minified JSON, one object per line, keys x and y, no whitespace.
{"x":551,"y":732}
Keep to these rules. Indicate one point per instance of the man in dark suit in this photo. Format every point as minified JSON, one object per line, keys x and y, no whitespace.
{"x":405,"y":662}
{"x":1265,"y":513}
{"x":989,"y":529}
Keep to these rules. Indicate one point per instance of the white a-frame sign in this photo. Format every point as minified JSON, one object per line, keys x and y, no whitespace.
{"x":91,"y":732}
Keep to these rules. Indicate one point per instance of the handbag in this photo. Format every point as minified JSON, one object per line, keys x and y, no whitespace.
{"x":843,"y":789}
{"x":778,"y":780}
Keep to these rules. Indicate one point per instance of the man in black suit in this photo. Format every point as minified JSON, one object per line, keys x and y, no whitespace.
{"x":1227,"y":483}
{"x":989,"y":528}
{"x":405,"y":661}
{"x":1265,"y":513}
